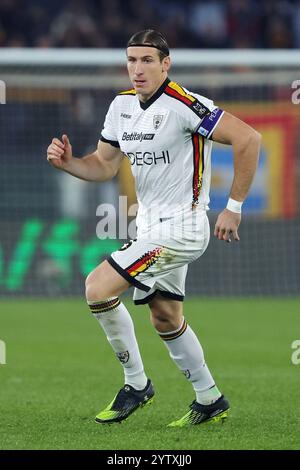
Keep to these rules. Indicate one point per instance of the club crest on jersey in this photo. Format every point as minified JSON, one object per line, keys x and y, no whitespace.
{"x":157,"y":120}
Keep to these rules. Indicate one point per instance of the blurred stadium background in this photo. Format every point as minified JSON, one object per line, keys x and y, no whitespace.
{"x":243,"y":54}
{"x":48,"y":219}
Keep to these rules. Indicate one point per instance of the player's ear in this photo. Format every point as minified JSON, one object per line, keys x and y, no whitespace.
{"x":166,"y":64}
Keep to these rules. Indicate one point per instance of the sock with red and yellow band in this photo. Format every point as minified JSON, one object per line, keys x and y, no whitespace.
{"x":117,"y":324}
{"x":186,"y":351}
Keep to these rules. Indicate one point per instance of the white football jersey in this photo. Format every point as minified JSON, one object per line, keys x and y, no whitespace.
{"x":166,"y":140}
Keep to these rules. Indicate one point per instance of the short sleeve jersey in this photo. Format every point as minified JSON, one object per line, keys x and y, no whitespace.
{"x":167,"y":141}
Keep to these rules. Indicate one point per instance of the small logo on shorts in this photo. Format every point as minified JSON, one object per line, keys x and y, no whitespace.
{"x":127,"y":245}
{"x":123,"y":357}
{"x":186,"y":373}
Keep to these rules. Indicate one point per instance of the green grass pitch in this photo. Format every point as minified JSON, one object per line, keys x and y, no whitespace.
{"x":60,"y":372}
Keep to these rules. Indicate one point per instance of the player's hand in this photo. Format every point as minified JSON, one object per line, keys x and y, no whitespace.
{"x":227,"y":226}
{"x":59,"y":152}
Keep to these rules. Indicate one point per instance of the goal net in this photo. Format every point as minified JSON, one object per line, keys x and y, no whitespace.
{"x":49,"y":220}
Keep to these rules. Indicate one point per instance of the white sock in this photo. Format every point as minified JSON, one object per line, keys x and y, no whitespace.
{"x":186,"y":351}
{"x":207,"y":397}
{"x":118,"y":327}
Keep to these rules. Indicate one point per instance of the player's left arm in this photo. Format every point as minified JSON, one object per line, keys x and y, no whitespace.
{"x":246,"y":144}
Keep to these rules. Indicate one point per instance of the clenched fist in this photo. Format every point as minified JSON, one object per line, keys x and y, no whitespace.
{"x":59,"y":153}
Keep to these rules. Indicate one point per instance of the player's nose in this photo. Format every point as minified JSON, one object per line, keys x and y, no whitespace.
{"x":138,"y":69}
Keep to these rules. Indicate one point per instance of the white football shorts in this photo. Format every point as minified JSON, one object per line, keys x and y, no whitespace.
{"x":153,"y":264}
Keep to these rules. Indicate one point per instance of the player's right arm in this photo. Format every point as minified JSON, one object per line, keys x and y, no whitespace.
{"x":101,"y":165}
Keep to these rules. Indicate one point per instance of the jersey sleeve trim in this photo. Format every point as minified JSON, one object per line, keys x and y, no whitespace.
{"x":114,"y":143}
{"x":177,"y":92}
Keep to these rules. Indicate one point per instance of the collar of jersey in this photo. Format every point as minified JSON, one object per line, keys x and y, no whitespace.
{"x":156,"y":95}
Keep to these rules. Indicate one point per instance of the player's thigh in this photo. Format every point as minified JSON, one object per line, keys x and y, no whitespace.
{"x":104,"y":281}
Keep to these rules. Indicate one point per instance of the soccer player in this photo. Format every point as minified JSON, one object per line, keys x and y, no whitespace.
{"x":166,"y":132}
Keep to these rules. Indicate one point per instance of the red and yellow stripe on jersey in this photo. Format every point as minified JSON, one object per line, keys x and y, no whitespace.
{"x":174,"y":90}
{"x":198,"y":157}
{"x":144,"y":262}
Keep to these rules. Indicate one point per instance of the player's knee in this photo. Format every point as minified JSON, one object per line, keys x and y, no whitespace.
{"x":166,"y":315}
{"x":104,"y":282}
{"x":163,"y":319}
{"x":93,"y":290}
